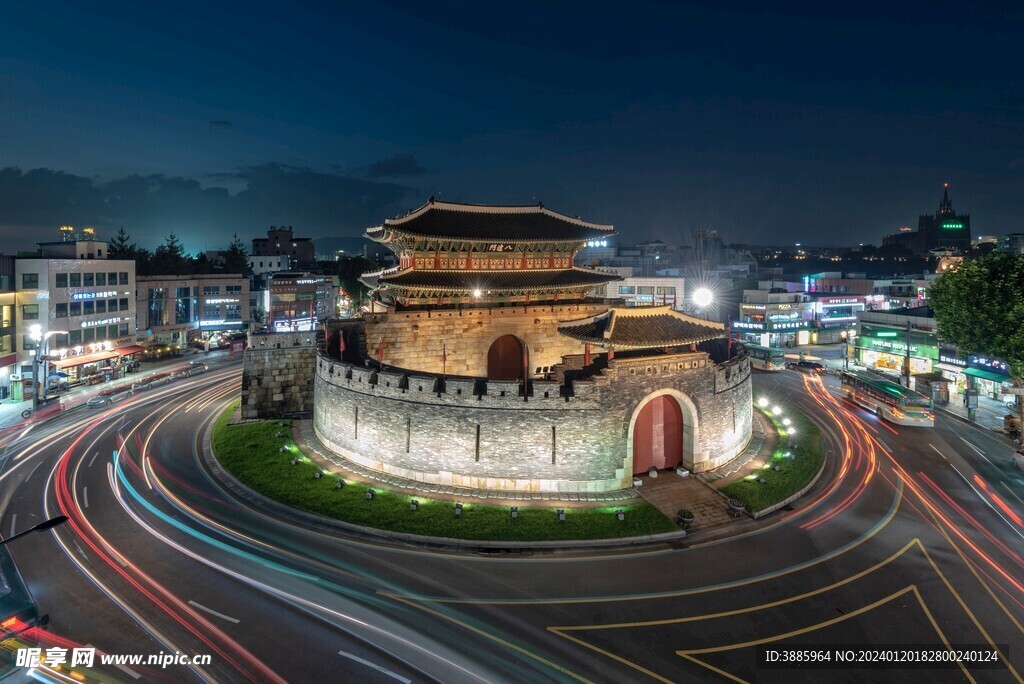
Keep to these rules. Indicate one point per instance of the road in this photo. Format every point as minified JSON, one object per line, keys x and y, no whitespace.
{"x":912,"y":536}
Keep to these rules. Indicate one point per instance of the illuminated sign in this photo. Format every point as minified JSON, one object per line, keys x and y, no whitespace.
{"x":644,"y":298}
{"x":952,"y":226}
{"x":984,"y":362}
{"x":758,"y":307}
{"x":222,"y":300}
{"x":840,"y":301}
{"x":899,"y":347}
{"x":500,"y":247}
{"x":94,"y":295}
{"x":788,"y":326}
{"x":102,"y":321}
{"x":952,"y":360}
{"x":748,"y":326}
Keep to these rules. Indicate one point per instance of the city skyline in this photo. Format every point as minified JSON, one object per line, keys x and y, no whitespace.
{"x":765,"y":126}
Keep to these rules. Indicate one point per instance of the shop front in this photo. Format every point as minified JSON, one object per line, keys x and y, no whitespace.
{"x":988,"y":375}
{"x":889,"y":354}
{"x":834,"y":317}
{"x":88,"y":368}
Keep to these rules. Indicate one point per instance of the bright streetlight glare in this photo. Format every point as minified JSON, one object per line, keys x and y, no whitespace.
{"x":786,"y":421}
{"x":703,"y":297}
{"x":776,"y":410}
{"x":762,"y":402}
{"x":791,"y":430}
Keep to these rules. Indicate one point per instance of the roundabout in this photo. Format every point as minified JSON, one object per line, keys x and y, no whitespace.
{"x":890,"y":542}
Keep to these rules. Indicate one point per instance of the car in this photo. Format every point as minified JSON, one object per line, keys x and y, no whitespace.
{"x":100,"y":400}
{"x":197,"y":367}
{"x":806,"y":366}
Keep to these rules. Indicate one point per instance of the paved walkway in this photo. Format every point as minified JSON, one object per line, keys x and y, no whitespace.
{"x":306,"y":440}
{"x":669,"y":493}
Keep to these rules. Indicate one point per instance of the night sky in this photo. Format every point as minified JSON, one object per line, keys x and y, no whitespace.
{"x":821,"y":125}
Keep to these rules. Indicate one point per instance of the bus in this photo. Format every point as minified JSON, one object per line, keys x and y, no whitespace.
{"x":766,"y":358}
{"x":888,"y":400}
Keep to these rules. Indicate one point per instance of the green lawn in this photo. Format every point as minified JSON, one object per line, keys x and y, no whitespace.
{"x":798,"y":464}
{"x":251,"y":453}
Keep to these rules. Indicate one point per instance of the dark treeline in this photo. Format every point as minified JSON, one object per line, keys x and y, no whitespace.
{"x":170,"y":257}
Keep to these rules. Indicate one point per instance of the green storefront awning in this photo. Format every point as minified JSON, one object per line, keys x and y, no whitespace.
{"x":988,"y":375}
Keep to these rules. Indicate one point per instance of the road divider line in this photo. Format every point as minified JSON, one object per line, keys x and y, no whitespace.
{"x":14,"y":521}
{"x":987,"y":502}
{"x":75,"y":542}
{"x":92,"y":459}
{"x":85,"y":496}
{"x":33,"y":472}
{"x":980,"y":452}
{"x":378,"y":668}
{"x":127,"y":670}
{"x":1012,"y":493}
{"x":222,"y":616}
{"x":938,"y":452}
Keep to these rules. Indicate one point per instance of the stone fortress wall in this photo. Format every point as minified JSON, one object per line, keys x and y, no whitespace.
{"x":562,"y":437}
{"x":277,"y":374}
{"x":414,"y":339}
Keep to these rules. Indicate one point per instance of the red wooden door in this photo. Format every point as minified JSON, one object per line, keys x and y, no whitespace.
{"x":658,"y":435}
{"x":505,"y":359}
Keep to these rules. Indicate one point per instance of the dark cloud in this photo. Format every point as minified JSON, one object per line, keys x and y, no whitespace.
{"x":221,"y":123}
{"x":34,"y":203}
{"x":398,"y":165}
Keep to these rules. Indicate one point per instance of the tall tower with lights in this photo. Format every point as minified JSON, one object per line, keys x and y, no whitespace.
{"x":945,"y":229}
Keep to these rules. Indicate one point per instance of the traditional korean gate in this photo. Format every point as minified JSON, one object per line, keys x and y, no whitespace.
{"x":505,"y":359}
{"x":658,"y":435}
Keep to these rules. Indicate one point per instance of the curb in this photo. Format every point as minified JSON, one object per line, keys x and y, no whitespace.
{"x":324,"y":523}
{"x":793,"y":497}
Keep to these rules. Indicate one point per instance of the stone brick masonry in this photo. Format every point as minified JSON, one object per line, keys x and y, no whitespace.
{"x":277,"y":375}
{"x":484,"y":434}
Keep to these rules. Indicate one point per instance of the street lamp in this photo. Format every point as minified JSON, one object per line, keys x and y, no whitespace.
{"x":703,"y":297}
{"x":36,"y":334}
{"x":41,"y":527}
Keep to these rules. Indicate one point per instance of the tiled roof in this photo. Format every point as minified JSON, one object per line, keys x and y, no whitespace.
{"x":475,"y":222}
{"x":642,"y":328}
{"x":496,"y":281}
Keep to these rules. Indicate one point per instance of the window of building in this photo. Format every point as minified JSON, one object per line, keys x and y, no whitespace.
{"x":627,"y":289}
{"x":211,"y":289}
{"x":29,"y":281}
{"x":211,"y":312}
{"x":60,"y":310}
{"x":233,"y":289}
{"x":111,"y":305}
{"x":101,"y":306}
{"x":88,"y":280}
{"x":645,"y":289}
{"x":111,"y":331}
{"x":123,"y":330}
{"x":59,"y":340}
{"x":6,"y":316}
{"x":6,"y":344}
{"x":75,"y":279}
{"x":61,"y":280}
{"x":74,"y":338}
{"x":112,"y":279}
{"x":27,"y":342}
{"x":122,"y":278}
{"x":88,"y":308}
{"x":666,"y":290}
{"x":122,"y":304}
{"x":101,"y":279}
{"x":233,"y":312}
{"x":89,"y":335}
{"x":30,"y":312}
{"x":76,"y":308}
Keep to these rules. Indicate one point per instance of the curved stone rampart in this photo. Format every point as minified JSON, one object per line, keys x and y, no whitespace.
{"x":485,"y":434}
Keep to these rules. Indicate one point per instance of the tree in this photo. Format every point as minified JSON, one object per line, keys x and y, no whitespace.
{"x":121,"y":248}
{"x":236,"y":260}
{"x":170,"y":259}
{"x":979,"y":307}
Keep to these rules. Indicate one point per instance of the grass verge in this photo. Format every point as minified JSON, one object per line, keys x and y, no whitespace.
{"x":798,"y":463}
{"x":251,"y":453}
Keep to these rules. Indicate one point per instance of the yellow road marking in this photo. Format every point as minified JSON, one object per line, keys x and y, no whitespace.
{"x":503,"y":642}
{"x":671,"y":594}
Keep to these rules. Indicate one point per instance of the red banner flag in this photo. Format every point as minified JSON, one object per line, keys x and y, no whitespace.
{"x":341,"y":343}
